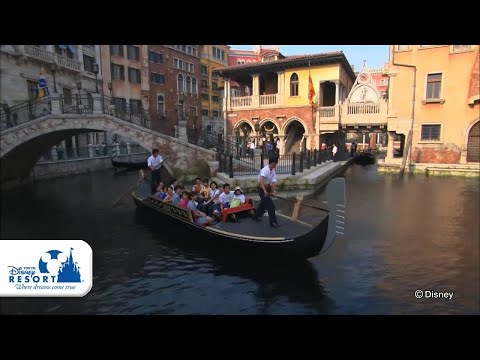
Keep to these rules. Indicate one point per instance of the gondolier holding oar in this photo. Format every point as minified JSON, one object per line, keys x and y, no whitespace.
{"x":154,"y":162}
{"x":267,"y":184}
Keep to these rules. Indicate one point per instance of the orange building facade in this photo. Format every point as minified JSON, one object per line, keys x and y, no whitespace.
{"x":434,"y":91}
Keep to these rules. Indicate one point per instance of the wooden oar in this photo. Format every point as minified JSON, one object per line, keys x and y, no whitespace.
{"x":131,"y":188}
{"x":307,"y":205}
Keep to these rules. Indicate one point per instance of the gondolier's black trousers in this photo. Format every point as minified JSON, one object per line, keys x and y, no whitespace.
{"x":266,"y":203}
{"x":155,"y":180}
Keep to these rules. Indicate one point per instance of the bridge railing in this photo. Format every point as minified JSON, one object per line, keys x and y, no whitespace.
{"x":11,"y":116}
{"x":24,"y":112}
{"x":59,"y":153}
{"x":77,"y":105}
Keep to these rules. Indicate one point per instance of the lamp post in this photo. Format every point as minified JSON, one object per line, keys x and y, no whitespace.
{"x":96,"y":69}
{"x":181,"y":100}
{"x":53,"y":69}
{"x":257,"y":130}
{"x":237,"y":134}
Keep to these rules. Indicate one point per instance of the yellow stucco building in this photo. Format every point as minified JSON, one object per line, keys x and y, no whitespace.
{"x":445,"y":81}
{"x":211,"y":86}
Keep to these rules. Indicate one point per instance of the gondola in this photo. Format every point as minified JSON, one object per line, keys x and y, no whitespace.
{"x":365,"y":158}
{"x":129,"y":165}
{"x":293,"y":239}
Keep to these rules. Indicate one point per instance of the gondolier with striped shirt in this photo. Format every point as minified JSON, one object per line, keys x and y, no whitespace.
{"x":154,"y":162}
{"x":267,"y":183}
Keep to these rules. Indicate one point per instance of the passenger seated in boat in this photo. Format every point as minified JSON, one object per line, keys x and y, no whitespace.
{"x":200,"y":217}
{"x":173,"y":183}
{"x":184,"y":200}
{"x":238,"y":194}
{"x":159,"y":190}
{"x":225,"y":197}
{"x":206,"y":190}
{"x":177,"y":194}
{"x":212,"y":205}
{"x":198,"y":187}
{"x":169,"y":197}
{"x":163,"y":193}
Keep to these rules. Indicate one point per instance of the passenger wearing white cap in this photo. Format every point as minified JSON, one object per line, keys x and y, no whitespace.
{"x":238,"y":194}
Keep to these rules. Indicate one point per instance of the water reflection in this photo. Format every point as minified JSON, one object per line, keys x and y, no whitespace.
{"x":419,"y":232}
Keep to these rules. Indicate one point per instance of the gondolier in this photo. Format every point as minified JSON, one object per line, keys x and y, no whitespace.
{"x":267,"y":183}
{"x":154,"y":162}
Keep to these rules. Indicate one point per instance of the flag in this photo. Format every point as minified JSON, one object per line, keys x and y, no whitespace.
{"x":311,"y":91}
{"x":42,"y":84}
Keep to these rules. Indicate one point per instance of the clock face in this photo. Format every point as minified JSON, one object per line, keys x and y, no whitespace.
{"x":363,"y":77}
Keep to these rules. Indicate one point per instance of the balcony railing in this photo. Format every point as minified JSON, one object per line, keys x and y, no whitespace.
{"x":327,"y":111}
{"x":270,"y":99}
{"x":241,"y":101}
{"x":49,"y":57}
{"x":357,"y":109}
{"x":39,"y":53}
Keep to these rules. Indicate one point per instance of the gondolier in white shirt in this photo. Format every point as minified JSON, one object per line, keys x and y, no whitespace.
{"x":154,"y":162}
{"x":267,"y":184}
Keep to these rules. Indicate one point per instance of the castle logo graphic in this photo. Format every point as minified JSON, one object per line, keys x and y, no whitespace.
{"x":56,"y":262}
{"x":65,"y":270}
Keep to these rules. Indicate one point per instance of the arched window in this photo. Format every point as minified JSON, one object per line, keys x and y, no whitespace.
{"x":194,"y":86}
{"x":161,"y":105}
{"x":294,"y":85}
{"x":180,"y":83}
{"x":473,"y":144}
{"x":188,"y":83}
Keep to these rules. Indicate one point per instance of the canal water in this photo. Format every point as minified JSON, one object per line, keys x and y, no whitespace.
{"x":417,"y":233}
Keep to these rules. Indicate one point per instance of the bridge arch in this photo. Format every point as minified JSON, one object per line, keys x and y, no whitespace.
{"x":20,"y":146}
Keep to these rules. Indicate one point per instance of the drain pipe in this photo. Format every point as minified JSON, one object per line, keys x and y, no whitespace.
{"x":409,"y":140}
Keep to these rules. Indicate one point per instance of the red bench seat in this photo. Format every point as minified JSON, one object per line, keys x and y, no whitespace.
{"x":248,"y":205}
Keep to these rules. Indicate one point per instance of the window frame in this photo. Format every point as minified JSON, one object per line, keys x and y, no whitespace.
{"x":440,"y":99}
{"x":137,"y":71}
{"x":295,"y":83}
{"x":421,"y":140}
{"x":137,"y":52}
{"x":112,"y":72}
{"x":121,"y":47}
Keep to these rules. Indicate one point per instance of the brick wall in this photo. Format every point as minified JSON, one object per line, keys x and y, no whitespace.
{"x":436,"y":154}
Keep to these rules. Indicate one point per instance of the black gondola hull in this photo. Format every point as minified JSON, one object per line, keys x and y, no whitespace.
{"x":303,"y":246}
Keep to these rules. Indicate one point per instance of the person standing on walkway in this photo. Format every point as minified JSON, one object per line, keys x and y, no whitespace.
{"x":334,"y":152}
{"x":154,"y":162}
{"x":267,"y":183}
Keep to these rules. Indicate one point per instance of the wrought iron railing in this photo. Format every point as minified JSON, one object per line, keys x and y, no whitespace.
{"x":287,"y":164}
{"x":80,"y":105}
{"x":24,"y":112}
{"x":77,"y":105}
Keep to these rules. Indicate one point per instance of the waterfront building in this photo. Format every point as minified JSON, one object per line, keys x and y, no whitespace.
{"x":442,"y":81}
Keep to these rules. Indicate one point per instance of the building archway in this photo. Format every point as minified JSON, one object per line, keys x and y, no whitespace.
{"x":294,"y":131}
{"x":268,"y":131}
{"x":473,"y":143}
{"x":243,"y":131}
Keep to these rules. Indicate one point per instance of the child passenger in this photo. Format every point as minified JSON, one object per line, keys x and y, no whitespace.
{"x":200,"y":217}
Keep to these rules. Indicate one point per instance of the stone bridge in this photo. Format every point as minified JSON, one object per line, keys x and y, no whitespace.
{"x":22,"y":145}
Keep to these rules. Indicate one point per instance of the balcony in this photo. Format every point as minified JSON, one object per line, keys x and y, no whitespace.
{"x":255,"y":102}
{"x":352,"y":114}
{"x":48,"y":56}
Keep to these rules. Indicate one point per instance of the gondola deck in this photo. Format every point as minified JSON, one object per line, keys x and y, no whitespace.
{"x":247,"y":227}
{"x":292,"y":239}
